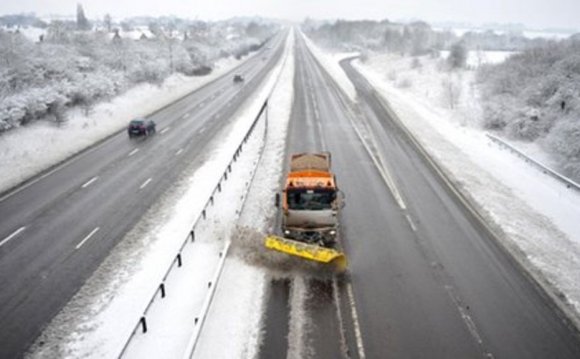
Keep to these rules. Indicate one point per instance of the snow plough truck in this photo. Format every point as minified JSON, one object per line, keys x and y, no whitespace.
{"x":309,"y":204}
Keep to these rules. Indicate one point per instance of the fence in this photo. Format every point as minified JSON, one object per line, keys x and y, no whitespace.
{"x":190,"y":238}
{"x":545,"y":169}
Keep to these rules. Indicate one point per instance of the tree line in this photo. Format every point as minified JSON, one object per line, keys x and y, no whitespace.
{"x":78,"y":63}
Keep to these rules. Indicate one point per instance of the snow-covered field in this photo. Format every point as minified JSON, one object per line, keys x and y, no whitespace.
{"x":536,"y":216}
{"x":101,"y":316}
{"x":531,"y":34}
{"x":27,"y":151}
{"x":478,"y":58}
{"x":424,"y":78}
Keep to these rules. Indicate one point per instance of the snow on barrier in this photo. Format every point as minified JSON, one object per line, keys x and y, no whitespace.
{"x":207,"y":302}
{"x":190,"y":238}
{"x":545,"y":169}
{"x":198,"y":322}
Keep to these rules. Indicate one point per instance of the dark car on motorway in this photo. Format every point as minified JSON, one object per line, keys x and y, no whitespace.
{"x":238,"y":78}
{"x":141,"y":127}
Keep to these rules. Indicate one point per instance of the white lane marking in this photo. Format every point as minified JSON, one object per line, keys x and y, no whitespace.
{"x":343,"y":344}
{"x":467,"y":319}
{"x":90,"y":182}
{"x":164,"y":130}
{"x":16,"y":232}
{"x":73,"y":159}
{"x":410,"y":220}
{"x":133,"y":152}
{"x":179,"y":151}
{"x":87,"y":237}
{"x":145,"y":183}
{"x":356,"y":324}
{"x":387,"y":178}
{"x":470,"y":325}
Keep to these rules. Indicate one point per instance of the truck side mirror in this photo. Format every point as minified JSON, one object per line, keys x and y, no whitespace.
{"x":277,"y":200}
{"x":341,"y":199}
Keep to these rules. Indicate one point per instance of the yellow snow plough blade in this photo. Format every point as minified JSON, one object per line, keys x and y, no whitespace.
{"x":308,"y":251}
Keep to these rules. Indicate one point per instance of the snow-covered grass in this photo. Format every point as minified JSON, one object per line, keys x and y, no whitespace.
{"x":535,"y":215}
{"x":426,"y":78}
{"x":32,"y":33}
{"x":100,"y":317}
{"x":27,"y":151}
{"x":477,"y":58}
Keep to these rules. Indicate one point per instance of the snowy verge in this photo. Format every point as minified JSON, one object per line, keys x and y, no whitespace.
{"x":536,"y":218}
{"x":178,"y":319}
{"x":27,"y":151}
{"x":476,"y":58}
{"x":100,"y":317}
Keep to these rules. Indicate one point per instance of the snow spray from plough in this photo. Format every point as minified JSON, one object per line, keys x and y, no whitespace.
{"x":310,"y":203}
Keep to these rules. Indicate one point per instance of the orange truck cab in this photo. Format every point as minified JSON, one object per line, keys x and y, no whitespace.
{"x":311,"y":200}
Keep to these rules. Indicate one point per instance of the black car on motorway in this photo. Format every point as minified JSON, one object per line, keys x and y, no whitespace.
{"x":141,"y":127}
{"x":238,"y":78}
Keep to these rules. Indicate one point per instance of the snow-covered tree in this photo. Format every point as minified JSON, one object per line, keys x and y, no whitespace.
{"x":535,"y":96}
{"x":59,"y":31}
{"x":82,"y":21}
{"x":393,"y":40}
{"x":564,"y":142}
{"x":457,"y":56}
{"x":73,"y":68}
{"x":451,"y":90}
{"x":419,"y":38}
{"x":108,"y":21}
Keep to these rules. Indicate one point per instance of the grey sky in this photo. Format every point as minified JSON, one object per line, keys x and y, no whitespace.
{"x":534,"y":13}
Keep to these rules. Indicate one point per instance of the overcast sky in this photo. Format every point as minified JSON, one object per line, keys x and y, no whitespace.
{"x":533,"y":13}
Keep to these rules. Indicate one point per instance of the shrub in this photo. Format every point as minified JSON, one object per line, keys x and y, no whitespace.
{"x":564,"y":142}
{"x":416,"y":63}
{"x":457,"y":56}
{"x":202,"y":70}
{"x":404,"y":83}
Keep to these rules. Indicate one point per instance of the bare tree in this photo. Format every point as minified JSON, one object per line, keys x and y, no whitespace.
{"x":451,"y":91}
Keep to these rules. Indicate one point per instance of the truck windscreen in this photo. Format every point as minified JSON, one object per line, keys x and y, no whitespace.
{"x":310,"y":199}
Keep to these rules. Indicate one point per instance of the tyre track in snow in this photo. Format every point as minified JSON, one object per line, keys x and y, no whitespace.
{"x":304,"y":314}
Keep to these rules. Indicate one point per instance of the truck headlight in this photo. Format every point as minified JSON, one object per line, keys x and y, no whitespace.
{"x":286,"y":232}
{"x":332,"y":233}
